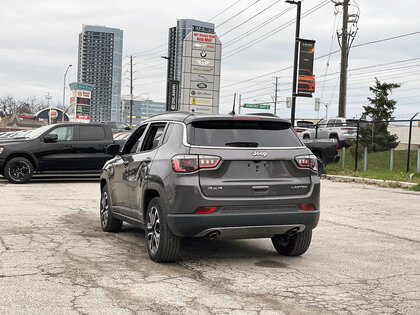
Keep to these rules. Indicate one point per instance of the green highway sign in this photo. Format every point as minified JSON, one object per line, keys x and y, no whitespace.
{"x":256,"y":106}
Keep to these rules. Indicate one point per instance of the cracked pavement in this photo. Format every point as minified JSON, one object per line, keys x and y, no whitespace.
{"x":55,"y":259}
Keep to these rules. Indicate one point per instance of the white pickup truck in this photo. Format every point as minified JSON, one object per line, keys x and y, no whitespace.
{"x":340,"y":129}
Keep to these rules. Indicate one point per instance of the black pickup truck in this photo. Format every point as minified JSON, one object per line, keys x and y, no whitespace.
{"x":62,"y":148}
{"x":326,"y":151}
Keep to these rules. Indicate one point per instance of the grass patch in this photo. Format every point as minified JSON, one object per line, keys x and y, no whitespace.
{"x":378,"y":166}
{"x":416,"y":188}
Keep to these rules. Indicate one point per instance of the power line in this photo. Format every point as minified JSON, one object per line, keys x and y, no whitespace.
{"x":249,"y":19}
{"x":272,"y":32}
{"x":257,"y":27}
{"x":243,"y":10}
{"x":323,"y":56}
{"x":223,"y":11}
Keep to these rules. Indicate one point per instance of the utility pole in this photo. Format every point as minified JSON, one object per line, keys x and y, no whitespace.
{"x":295,"y":70}
{"x":275,"y":96}
{"x":131,"y":90}
{"x":344,"y":61}
{"x":239,"y":109}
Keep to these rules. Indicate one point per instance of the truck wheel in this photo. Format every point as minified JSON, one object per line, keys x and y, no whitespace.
{"x":162,"y":244}
{"x":295,"y":245}
{"x":108,"y":222}
{"x":18,"y":170}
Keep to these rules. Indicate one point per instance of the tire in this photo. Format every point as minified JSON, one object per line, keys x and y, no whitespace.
{"x":306,"y":137}
{"x":295,"y":245}
{"x":162,"y":245}
{"x":18,"y":170}
{"x":108,"y":222}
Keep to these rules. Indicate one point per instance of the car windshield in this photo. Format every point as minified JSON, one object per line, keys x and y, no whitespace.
{"x":39,"y":131}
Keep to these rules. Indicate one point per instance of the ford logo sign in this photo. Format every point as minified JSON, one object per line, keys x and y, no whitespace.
{"x":259,"y":153}
{"x":202,"y":85}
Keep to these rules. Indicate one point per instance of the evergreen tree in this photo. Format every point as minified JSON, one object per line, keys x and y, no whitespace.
{"x":376,"y":136}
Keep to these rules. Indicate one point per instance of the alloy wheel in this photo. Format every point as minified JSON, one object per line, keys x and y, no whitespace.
{"x":19,"y":170}
{"x":153,"y":229}
{"x":104,"y":209}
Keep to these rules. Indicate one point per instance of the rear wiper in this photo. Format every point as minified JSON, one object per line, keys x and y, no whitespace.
{"x":242,"y":144}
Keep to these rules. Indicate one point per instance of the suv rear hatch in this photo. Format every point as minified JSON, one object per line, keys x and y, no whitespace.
{"x":257,"y":158}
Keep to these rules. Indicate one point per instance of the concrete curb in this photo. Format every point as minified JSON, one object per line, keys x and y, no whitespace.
{"x":363,"y":180}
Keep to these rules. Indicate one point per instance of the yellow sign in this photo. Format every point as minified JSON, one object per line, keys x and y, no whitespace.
{"x":193,"y":100}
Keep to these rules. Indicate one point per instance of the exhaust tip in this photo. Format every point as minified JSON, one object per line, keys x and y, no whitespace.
{"x":293,"y":231}
{"x":214,"y":235}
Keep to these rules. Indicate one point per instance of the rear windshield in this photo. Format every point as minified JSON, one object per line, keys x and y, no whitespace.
{"x":242,"y":133}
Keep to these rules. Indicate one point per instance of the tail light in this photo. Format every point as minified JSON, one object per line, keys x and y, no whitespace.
{"x":208,"y":161}
{"x":299,"y":130}
{"x":191,"y":163}
{"x":307,"y":206}
{"x":307,"y":161}
{"x":351,"y":128}
{"x":205,"y":210}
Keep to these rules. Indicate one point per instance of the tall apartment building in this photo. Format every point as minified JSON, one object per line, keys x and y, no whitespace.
{"x":100,"y":64}
{"x":175,"y":44}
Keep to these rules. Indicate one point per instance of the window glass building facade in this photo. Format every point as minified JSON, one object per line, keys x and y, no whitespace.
{"x":142,"y":109}
{"x":100,"y":63}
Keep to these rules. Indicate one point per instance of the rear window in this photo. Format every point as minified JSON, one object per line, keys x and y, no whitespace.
{"x":242,"y":133}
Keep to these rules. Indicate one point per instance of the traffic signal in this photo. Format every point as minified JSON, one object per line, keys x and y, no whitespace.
{"x":317,"y":104}
{"x":288,"y":102}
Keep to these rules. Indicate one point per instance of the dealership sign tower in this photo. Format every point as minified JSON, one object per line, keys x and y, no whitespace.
{"x":200,"y":84}
{"x":80,"y":94}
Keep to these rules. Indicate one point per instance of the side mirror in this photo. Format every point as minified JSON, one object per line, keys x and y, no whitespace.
{"x":113,"y":149}
{"x":127,"y":128}
{"x":51,"y":138}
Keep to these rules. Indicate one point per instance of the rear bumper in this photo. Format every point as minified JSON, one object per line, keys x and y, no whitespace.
{"x":242,"y":225}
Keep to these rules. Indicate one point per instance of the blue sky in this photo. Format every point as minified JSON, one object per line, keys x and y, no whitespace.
{"x":39,"y":39}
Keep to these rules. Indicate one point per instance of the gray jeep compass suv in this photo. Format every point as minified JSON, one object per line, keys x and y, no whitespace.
{"x":217,"y":176}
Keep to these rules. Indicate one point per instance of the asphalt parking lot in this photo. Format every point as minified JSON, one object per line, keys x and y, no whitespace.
{"x":54,"y":258}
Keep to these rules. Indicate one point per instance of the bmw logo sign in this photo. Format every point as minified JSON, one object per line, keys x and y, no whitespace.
{"x":203,"y":54}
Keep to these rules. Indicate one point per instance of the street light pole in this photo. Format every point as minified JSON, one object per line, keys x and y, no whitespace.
{"x":48,"y":97}
{"x":295,"y":70}
{"x":64,"y":93}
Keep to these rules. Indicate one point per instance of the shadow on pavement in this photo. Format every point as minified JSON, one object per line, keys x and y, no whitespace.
{"x":36,"y":179}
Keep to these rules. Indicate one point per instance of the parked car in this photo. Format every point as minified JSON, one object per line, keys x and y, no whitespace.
{"x":117,"y":126}
{"x":326,"y":151}
{"x":121,"y":137}
{"x":215,"y":176}
{"x":61,"y":148}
